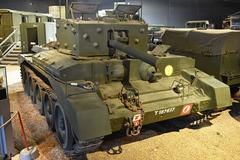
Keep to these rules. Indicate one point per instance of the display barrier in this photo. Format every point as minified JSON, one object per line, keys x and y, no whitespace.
{"x":3,"y":146}
{"x":6,"y":135}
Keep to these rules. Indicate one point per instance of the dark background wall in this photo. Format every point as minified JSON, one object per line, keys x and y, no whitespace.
{"x":42,"y":5}
{"x":27,"y":5}
{"x":177,"y":12}
{"x":166,"y":12}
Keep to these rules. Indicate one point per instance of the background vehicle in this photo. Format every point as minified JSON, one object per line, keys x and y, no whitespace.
{"x":10,"y":20}
{"x":155,"y":33}
{"x":216,"y":52}
{"x":9,"y":27}
{"x":201,"y":24}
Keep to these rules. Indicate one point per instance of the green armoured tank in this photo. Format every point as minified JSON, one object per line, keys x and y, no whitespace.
{"x":100,"y":79}
{"x":217,"y":52}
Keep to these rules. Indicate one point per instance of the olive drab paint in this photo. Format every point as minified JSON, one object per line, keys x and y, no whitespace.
{"x":217,"y":52}
{"x":11,"y":19}
{"x":130,"y":87}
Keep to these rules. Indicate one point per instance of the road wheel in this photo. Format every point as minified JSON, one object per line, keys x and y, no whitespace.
{"x":48,"y":108}
{"x":63,"y":128}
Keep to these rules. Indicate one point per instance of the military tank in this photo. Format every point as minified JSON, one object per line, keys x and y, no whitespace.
{"x":100,"y":80}
{"x":216,"y":52}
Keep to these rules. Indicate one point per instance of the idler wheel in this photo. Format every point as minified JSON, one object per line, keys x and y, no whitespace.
{"x":48,"y":109}
{"x":63,"y":128}
{"x":38,"y":98}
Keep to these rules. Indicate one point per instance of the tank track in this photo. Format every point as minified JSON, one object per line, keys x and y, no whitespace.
{"x":80,"y":148}
{"x":83,"y":147}
{"x":200,"y":118}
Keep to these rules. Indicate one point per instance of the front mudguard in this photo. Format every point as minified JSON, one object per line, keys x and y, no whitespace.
{"x":85,"y":110}
{"x":218,"y":91}
{"x":89,"y":116}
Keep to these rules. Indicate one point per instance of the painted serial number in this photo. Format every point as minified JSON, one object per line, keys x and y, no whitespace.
{"x":164,"y":111}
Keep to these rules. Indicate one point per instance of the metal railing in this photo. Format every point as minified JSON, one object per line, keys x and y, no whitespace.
{"x":7,"y":45}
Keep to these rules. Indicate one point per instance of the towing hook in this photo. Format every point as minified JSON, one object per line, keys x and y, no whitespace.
{"x":134,"y":125}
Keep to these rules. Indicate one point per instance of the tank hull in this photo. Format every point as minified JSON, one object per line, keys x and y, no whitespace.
{"x":97,"y":113}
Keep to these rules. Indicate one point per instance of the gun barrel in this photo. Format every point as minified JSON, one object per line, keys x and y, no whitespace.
{"x":134,"y":53}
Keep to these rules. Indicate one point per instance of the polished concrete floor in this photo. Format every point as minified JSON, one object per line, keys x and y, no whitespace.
{"x":13,"y":74}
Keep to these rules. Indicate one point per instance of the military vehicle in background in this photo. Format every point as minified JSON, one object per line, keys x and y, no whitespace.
{"x":11,"y":19}
{"x":101,"y":80}
{"x":232,"y":22}
{"x":235,"y":22}
{"x":37,"y":34}
{"x":217,"y":52}
{"x":201,"y":24}
{"x":226,"y":23}
{"x":155,"y":33}
{"x":9,"y":27}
